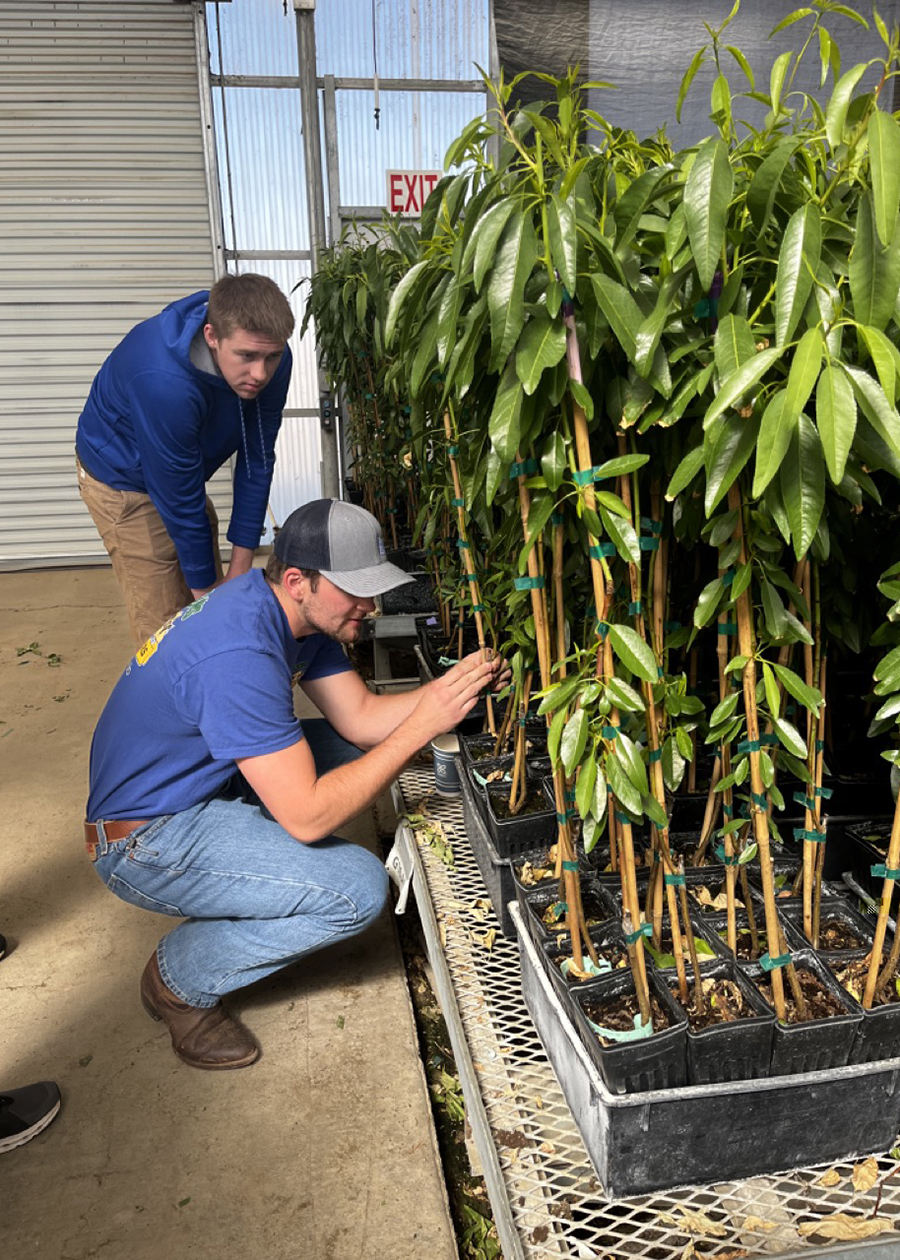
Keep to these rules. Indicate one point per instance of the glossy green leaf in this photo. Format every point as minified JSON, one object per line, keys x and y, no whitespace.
{"x":673,"y":764}
{"x":836,"y":419}
{"x":425,"y":356}
{"x":584,"y":788}
{"x":874,"y":270}
{"x":803,"y":484}
{"x":776,"y":80}
{"x":598,"y":804}
{"x":741,"y":382}
{"x":775,"y":433}
{"x":708,"y":602}
{"x":766,"y":182}
{"x":623,"y":696}
{"x":880,"y":413}
{"x":685,"y":473}
{"x":399,"y":296}
{"x":734,"y":345}
{"x":633,"y":652}
{"x":622,"y":534}
{"x":773,"y":695}
{"x":554,"y":735}
{"x":504,"y":425}
{"x":573,"y":740}
{"x":885,"y":357}
{"x":707,"y":193}
{"x":648,"y":335}
{"x":728,"y":444}
{"x":724,"y":709}
{"x":790,"y":737}
{"x":884,"y":166}
{"x":773,"y":611}
{"x":687,"y":79}
{"x":448,"y":316}
{"x":621,"y":786}
{"x":836,"y":113}
{"x":622,"y":312}
{"x":515,"y":260}
{"x":805,"y":367}
{"x":553,"y":461}
{"x":629,"y":757}
{"x":794,"y":685}
{"x":561,"y":227}
{"x":620,"y":465}
{"x":541,"y":346}
{"x":798,"y":259}
{"x":482,"y":246}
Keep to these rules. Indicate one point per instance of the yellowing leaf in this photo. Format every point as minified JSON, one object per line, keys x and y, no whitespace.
{"x":865,"y":1175}
{"x":694,"y":1223}
{"x":759,"y":1225}
{"x":847,"y":1228}
{"x":831,"y":1178}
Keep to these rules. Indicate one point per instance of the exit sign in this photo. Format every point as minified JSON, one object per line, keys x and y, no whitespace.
{"x":407,"y":191}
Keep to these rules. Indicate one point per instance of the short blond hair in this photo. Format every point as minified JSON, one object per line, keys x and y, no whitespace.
{"x":252,"y":303}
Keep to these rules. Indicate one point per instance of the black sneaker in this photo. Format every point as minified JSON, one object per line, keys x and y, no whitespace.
{"x":2,"y":946}
{"x":24,"y":1113}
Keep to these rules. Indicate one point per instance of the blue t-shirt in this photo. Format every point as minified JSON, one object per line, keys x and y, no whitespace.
{"x":215,"y":683}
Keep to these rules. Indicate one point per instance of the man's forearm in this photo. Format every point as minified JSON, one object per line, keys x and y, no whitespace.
{"x":346,"y":791}
{"x":241,"y":561}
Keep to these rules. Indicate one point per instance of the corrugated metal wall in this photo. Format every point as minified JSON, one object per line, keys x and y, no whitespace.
{"x":104,"y":218}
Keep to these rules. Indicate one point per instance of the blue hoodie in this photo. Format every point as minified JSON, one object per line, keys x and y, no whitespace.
{"x":156,"y":424}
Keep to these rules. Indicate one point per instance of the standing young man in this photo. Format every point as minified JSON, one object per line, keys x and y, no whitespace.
{"x":203,"y":380}
{"x":211,"y":692}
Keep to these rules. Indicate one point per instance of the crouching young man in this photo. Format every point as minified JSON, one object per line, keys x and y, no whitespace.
{"x":210,"y":692}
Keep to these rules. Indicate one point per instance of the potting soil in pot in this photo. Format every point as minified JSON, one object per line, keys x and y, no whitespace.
{"x":535,"y":803}
{"x":744,"y":943}
{"x":537,"y":870}
{"x":553,"y":917}
{"x":723,"y":1003}
{"x":834,"y":934}
{"x":820,"y":1004}
{"x":609,"y":958}
{"x":619,"y":1013}
{"x":852,"y":977}
{"x":713,"y":897}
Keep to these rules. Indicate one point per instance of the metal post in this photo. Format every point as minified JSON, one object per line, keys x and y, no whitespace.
{"x":201,"y":45}
{"x":315,"y":201}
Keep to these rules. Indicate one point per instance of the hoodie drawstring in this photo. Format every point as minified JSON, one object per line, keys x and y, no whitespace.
{"x":262,"y":445}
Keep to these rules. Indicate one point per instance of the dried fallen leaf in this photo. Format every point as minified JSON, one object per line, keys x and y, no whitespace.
{"x":831,"y":1178}
{"x":865,"y":1175}
{"x":538,"y":1102}
{"x":548,"y":1148}
{"x":847,"y":1228}
{"x":757,"y":1223}
{"x":694,"y":1222}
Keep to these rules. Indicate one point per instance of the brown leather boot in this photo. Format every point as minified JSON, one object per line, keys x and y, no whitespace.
{"x":203,"y":1036}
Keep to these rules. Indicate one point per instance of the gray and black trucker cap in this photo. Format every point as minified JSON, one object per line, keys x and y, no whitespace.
{"x":343,"y":542}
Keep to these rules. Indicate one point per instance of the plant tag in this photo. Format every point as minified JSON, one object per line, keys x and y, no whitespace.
{"x":620,"y":1034}
{"x":400,"y":874}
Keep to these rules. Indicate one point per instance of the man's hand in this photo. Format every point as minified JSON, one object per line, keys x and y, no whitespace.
{"x":444,"y":703}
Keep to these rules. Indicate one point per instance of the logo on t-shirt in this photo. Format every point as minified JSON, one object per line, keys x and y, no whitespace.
{"x":298,"y":673}
{"x":148,"y":649}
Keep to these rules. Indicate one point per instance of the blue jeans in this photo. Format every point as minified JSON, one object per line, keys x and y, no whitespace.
{"x":255,"y":899}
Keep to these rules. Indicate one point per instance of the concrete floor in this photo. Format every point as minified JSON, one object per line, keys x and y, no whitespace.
{"x":323,"y":1150}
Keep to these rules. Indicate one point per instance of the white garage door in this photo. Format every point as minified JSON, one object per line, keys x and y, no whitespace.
{"x":104,"y":219}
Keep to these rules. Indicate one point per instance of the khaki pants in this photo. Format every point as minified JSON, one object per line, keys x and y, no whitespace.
{"x":143,"y":555}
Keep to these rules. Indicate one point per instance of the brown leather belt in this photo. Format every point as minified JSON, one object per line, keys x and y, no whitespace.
{"x":115,"y":829}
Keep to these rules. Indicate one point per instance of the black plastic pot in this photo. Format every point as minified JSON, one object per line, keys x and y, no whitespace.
{"x":607,"y":939}
{"x":534,"y":902}
{"x":495,"y":871}
{"x":412,"y":598}
{"x":737,"y":1051}
{"x":832,"y":908}
{"x":522,"y":833}
{"x":701,"y":932}
{"x":866,"y":844}
{"x":819,"y":1043}
{"x":718,"y":924}
{"x":632,"y":1067}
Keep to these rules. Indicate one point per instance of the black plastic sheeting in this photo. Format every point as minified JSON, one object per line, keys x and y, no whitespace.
{"x":645,"y":46}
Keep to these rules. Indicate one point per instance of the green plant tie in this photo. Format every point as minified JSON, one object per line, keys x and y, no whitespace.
{"x":570,"y":796}
{"x":370,"y":395}
{"x":671,"y":626}
{"x":885,"y":872}
{"x":655,"y":754}
{"x":674,"y":880}
{"x":570,"y":866}
{"x":728,"y":859}
{"x":646,"y":929}
{"x":760,"y":799}
{"x":648,"y":523}
{"x":528,"y":583}
{"x":558,"y":909}
{"x":727,"y":627}
{"x":471,"y":577}
{"x":527,"y":468}
{"x":600,"y":968}
{"x":637,"y":1033}
{"x":600,"y":551}
{"x":654,"y":857}
{"x":556,"y":518}
{"x":584,"y":477}
{"x":458,"y":503}
{"x":609,"y":732}
{"x":447,"y":660}
{"x":452,"y":450}
{"x":602,"y":629}
{"x":648,"y":544}
{"x":407,"y":411}
{"x":748,"y":745}
{"x":562,"y":819}
{"x":462,"y":544}
{"x":808,"y":802}
{"x":773,"y":964}
{"x":817,"y":837}
{"x":478,"y":608}
{"x":769,"y":741}
{"x":635,"y":608}
{"x":820,"y":745}
{"x":728,"y":577}
{"x":623,"y":818}
{"x":707,"y":308}
{"x":728,"y":811}
{"x":379,"y":494}
{"x":825,"y":793}
{"x":436,"y":378}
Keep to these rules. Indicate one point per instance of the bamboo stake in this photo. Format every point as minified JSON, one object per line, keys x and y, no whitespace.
{"x":466,"y":549}
{"x":875,"y":982}
{"x":722,"y":655}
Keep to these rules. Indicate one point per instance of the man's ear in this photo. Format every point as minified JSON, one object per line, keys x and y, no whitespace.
{"x":210,"y":334}
{"x":295,"y":583}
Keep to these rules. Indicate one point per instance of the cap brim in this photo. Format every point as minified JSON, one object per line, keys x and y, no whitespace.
{"x":374,"y":580}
